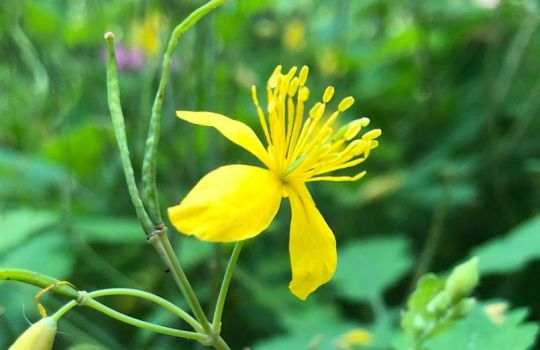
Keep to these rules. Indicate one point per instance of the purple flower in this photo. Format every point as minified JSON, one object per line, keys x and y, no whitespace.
{"x":127,"y":58}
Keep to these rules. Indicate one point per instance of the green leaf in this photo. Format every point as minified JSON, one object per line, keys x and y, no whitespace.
{"x":23,"y":176}
{"x":111,"y":230}
{"x":365,"y":270}
{"x":81,"y":149}
{"x":314,"y":326}
{"x":49,"y":253}
{"x":480,"y":331}
{"x":18,"y":225}
{"x":427,"y":288}
{"x":512,"y":252}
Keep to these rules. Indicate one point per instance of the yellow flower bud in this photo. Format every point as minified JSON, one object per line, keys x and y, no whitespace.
{"x":40,"y":336}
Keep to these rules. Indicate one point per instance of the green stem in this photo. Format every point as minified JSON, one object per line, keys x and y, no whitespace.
{"x":38,"y":280}
{"x":149,"y":193}
{"x":167,"y":305}
{"x":139,"y":294}
{"x":142,"y":324}
{"x":160,"y":241}
{"x":120,"y":133}
{"x":220,"y":344}
{"x":218,"y":313}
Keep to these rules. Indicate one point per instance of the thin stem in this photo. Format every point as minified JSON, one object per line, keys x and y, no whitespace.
{"x":117,"y":116}
{"x":220,"y":344}
{"x":149,"y":193}
{"x":160,"y":241}
{"x":218,"y":313}
{"x":38,"y":280}
{"x":142,"y":324}
{"x":64,"y":309}
{"x":434,"y":235}
{"x":167,"y":305}
{"x":139,"y":294}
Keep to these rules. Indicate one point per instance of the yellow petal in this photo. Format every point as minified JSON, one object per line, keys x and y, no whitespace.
{"x":232,"y":203}
{"x":234,"y":130}
{"x":312,"y":244}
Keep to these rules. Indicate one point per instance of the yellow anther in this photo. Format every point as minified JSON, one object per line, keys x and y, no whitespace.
{"x":373,"y":144}
{"x":302,"y":77}
{"x":293,"y":87}
{"x":303,"y":94}
{"x":328,"y":94}
{"x":364,"y":121}
{"x":360,"y":147}
{"x":345,"y":104}
{"x":273,"y":81}
{"x":292,"y":72}
{"x":372,"y":134}
{"x":317,"y":111}
{"x":353,"y":128}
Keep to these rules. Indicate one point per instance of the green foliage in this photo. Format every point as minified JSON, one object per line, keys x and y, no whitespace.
{"x":482,"y":331}
{"x":20,"y":224}
{"x":512,"y":252}
{"x":453,"y":85}
{"x":365,"y":271}
{"x":438,"y":303}
{"x":110,"y":230}
{"x":320,"y":329}
{"x":428,"y":287}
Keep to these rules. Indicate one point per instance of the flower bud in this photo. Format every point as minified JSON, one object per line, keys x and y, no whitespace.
{"x":463,"y":307}
{"x":40,"y":336}
{"x":462,"y":280}
{"x":439,"y":304}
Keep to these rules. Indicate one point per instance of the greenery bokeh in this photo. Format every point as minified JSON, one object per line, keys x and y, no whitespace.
{"x":453,"y":84}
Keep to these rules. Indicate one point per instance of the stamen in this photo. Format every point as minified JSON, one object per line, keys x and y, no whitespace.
{"x":273,"y":80}
{"x":372,"y":134}
{"x":354,"y":127}
{"x":302,"y":77}
{"x":317,"y":111}
{"x":328,"y":94}
{"x":260,"y":113}
{"x":338,"y":178}
{"x":345,"y":104}
{"x":293,"y":87}
{"x":303,"y":94}
{"x":305,"y":149}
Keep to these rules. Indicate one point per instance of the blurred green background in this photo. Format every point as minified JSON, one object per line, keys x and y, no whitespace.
{"x":453,"y":84}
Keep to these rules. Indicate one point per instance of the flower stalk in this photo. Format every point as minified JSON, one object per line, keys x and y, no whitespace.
{"x":149,"y":192}
{"x":218,"y":312}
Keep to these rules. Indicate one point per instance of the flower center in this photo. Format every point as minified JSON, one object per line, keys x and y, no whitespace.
{"x":305,"y":149}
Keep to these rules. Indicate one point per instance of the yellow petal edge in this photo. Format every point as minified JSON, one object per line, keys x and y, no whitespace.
{"x":234,"y":130}
{"x":231,"y":203}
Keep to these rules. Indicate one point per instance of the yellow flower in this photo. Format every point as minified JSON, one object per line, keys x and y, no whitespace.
{"x":40,"y":336}
{"x":237,"y":202}
{"x":355,"y":337}
{"x":294,"y":36}
{"x":146,"y":35}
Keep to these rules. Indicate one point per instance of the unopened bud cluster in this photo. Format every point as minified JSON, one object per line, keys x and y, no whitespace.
{"x":452,"y":302}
